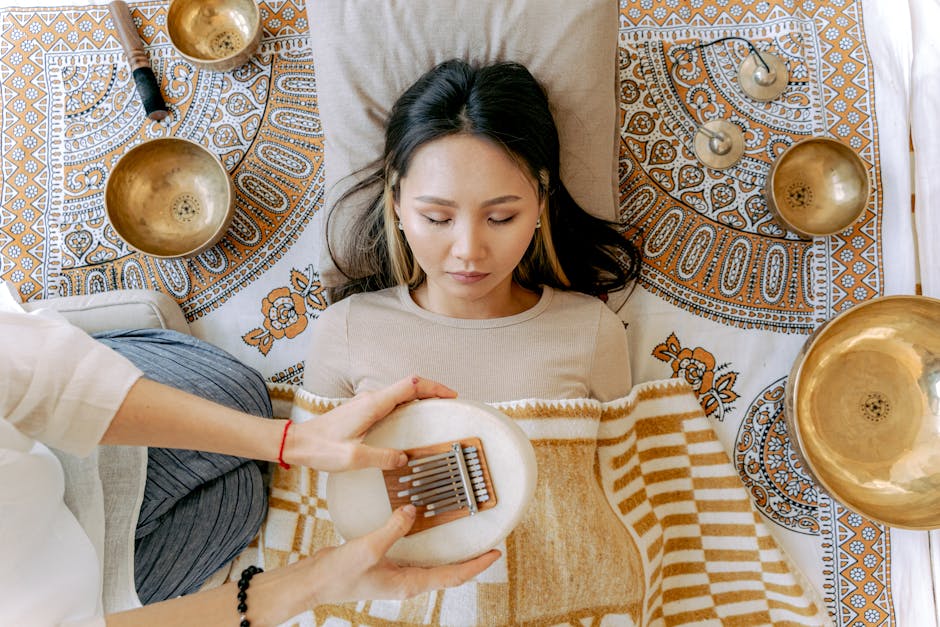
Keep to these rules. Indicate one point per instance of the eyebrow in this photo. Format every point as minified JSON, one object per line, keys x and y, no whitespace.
{"x":434,"y":200}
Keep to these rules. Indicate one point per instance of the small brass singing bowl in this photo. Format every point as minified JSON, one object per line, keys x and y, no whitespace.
{"x":170,"y":197}
{"x":214,"y":34}
{"x":862,"y":405}
{"x":817,"y":187}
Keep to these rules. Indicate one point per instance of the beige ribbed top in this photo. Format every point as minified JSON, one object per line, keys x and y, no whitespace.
{"x":568,"y":345}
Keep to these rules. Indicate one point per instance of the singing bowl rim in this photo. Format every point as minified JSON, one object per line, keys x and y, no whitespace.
{"x":219,"y":64}
{"x":794,"y":422}
{"x":770,"y":196}
{"x":222,"y":225}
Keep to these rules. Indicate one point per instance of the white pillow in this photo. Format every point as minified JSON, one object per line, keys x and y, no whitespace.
{"x":367,"y":53}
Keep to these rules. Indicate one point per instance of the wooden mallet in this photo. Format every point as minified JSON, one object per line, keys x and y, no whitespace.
{"x":147,"y":86}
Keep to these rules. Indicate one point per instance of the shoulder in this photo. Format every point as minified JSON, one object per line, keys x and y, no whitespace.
{"x":357,"y":303}
{"x":370,"y":299}
{"x":590,"y":312}
{"x":581,"y":304}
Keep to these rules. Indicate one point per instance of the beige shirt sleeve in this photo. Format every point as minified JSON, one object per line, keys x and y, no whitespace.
{"x":610,"y":371}
{"x":58,"y":385}
{"x":327,"y":367}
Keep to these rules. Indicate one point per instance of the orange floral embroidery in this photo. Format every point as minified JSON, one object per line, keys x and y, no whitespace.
{"x":284,"y":313}
{"x":286,"y":310}
{"x":697,"y":367}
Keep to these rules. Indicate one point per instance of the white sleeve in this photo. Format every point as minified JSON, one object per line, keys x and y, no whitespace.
{"x":97,"y":621}
{"x":57,"y":384}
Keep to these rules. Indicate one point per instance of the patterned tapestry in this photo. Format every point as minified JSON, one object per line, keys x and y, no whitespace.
{"x":726,"y":297}
{"x":71,"y":111}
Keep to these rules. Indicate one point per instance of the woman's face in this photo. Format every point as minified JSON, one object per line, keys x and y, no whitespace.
{"x":468,"y":212}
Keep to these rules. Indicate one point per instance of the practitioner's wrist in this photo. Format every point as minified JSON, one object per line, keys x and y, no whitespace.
{"x":281,"y":593}
{"x":281,"y":450}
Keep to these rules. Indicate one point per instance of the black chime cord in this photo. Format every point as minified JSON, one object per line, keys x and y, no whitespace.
{"x":688,"y":49}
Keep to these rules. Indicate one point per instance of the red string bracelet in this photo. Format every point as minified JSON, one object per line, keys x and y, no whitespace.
{"x":280,"y":453}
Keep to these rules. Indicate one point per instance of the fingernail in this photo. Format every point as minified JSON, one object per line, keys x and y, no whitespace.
{"x":402,"y":459}
{"x":409,"y":510}
{"x":414,"y":380}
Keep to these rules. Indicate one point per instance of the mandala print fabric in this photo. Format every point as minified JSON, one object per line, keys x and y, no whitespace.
{"x":727,"y":297}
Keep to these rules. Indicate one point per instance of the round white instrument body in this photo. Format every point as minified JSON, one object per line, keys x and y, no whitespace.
{"x":358,"y":502}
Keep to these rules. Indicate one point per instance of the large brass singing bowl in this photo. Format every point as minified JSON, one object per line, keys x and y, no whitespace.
{"x":863,"y":409}
{"x":816,"y":187}
{"x":170,"y":197}
{"x":214,"y":34}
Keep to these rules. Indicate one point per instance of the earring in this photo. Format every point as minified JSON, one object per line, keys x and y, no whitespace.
{"x":538,"y":223}
{"x":400,"y":227}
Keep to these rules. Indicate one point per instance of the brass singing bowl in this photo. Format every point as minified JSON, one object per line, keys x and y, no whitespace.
{"x":818,"y":186}
{"x":862,"y":405}
{"x":214,"y":34}
{"x":170,"y":197}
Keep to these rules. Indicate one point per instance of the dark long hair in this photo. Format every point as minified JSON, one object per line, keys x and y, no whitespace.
{"x":502,"y":103}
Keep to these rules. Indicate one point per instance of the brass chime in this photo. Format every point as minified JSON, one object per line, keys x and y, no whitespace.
{"x":763,"y":76}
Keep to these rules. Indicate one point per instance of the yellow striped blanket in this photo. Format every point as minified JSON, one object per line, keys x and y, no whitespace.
{"x":639,"y":518}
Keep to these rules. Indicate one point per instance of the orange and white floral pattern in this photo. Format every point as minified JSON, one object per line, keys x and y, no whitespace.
{"x":66,"y":72}
{"x":696,"y":366}
{"x":285,"y":310}
{"x":709,"y":243}
{"x":713,"y":253}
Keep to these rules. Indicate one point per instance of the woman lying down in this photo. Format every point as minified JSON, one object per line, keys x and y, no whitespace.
{"x":481,"y":269}
{"x":472,"y":263}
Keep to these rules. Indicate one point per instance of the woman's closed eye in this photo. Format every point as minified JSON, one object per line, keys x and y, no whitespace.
{"x":440,"y":220}
{"x":436,"y":219}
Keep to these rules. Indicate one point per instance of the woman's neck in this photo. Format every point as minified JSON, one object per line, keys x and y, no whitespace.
{"x":516,"y":300}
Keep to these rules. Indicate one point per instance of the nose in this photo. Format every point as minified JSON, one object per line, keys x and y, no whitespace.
{"x":469,"y":243}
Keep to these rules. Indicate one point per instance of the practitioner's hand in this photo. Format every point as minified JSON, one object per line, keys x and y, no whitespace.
{"x":333,"y":441}
{"x":359,"y":569}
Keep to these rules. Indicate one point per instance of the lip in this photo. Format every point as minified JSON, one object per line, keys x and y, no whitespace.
{"x":468,"y":277}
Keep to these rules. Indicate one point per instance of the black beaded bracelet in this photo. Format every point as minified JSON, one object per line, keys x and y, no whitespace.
{"x":243,"y":583}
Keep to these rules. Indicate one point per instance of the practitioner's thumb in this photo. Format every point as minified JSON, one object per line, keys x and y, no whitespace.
{"x":397,"y":525}
{"x":374,"y":457}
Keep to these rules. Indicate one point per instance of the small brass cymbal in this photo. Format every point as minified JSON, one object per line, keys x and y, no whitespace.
{"x":763,"y":83}
{"x":719,"y":144}
{"x":863,"y":409}
{"x":169,"y":197}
